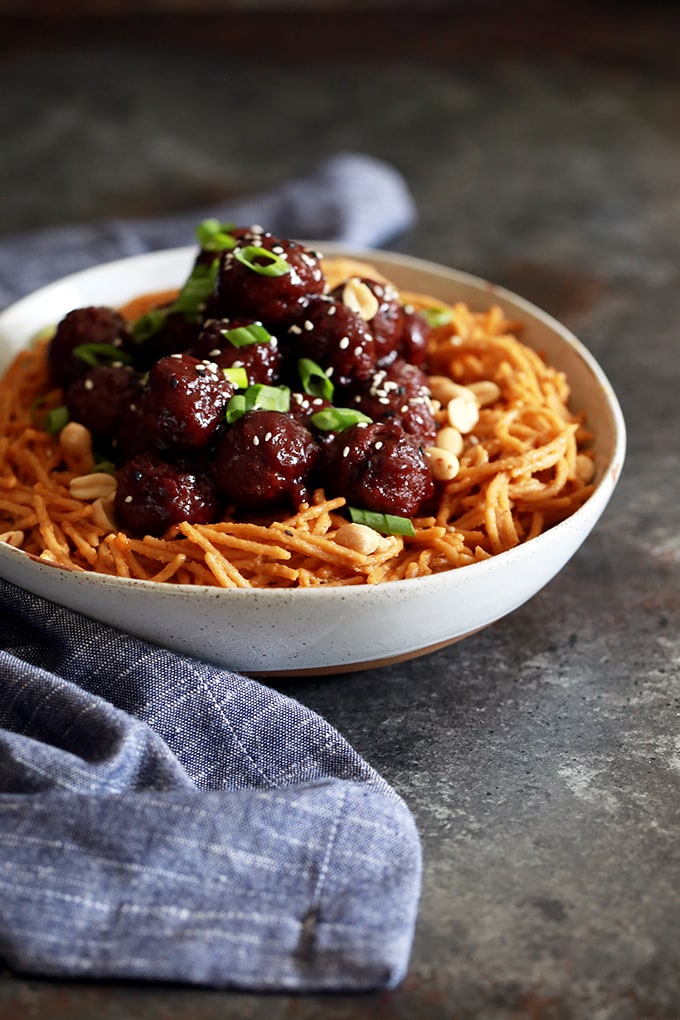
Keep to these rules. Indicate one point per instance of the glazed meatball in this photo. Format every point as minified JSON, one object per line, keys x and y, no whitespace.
{"x":262,"y":361}
{"x":267,"y":278}
{"x":132,"y":438}
{"x":384,"y":316}
{"x":399,"y":393}
{"x":92,"y":325}
{"x":98,"y":399}
{"x":264,"y":459}
{"x":303,"y":406}
{"x":336,"y":338}
{"x":152,"y":495}
{"x":185,"y":402}
{"x":378,"y":467}
{"x":415,"y":337}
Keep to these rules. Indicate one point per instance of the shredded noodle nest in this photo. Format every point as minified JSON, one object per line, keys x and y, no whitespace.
{"x":524,"y":467}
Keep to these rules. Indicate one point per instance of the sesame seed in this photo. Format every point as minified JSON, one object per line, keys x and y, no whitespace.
{"x":89,"y":385}
{"x":331,"y":310}
{"x":294,"y":329}
{"x":215,"y":354}
{"x":128,"y":499}
{"x":278,"y":250}
{"x":309,"y":325}
{"x":358,"y":351}
{"x":345,"y":452}
{"x":403,"y":409}
{"x":256,"y":440}
{"x":179,"y":356}
{"x":344,"y":343}
{"x":378,"y":445}
{"x":267,"y":437}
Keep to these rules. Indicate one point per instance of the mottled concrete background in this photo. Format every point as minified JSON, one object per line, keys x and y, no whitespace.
{"x":541,"y":758}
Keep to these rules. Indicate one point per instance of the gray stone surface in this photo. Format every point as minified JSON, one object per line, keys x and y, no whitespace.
{"x":541,"y":758}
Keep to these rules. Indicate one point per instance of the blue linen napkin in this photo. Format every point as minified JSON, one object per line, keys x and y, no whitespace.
{"x":349,"y":197}
{"x":165,"y":819}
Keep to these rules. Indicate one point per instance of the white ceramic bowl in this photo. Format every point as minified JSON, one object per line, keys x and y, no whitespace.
{"x":327,"y":629}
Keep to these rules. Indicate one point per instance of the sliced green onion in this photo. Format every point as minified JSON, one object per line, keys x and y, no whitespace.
{"x":237,"y":375}
{"x":149,"y":324}
{"x":386,"y":524}
{"x":252,"y":258}
{"x":215,"y":236}
{"x":439,"y":316}
{"x":56,"y":419}
{"x":337,"y":419}
{"x":314,"y":380}
{"x":98,"y":354}
{"x":106,"y":466}
{"x":269,"y":398}
{"x":243,"y":336}
{"x":190,"y":302}
{"x":258,"y":398}
{"x":196,"y":290}
{"x":236,"y":408}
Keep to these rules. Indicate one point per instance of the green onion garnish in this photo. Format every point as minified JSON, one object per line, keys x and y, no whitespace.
{"x":252,"y":257}
{"x":440,"y":316}
{"x":237,"y":375}
{"x":337,"y":419}
{"x":196,"y":290}
{"x":236,"y":408}
{"x":190,"y":302}
{"x":269,"y":398}
{"x":148,"y":325}
{"x":386,"y":524}
{"x":243,"y":336}
{"x":215,"y":236}
{"x":106,"y":466}
{"x":314,"y":380}
{"x":56,"y":419}
{"x":258,"y":398}
{"x":98,"y":354}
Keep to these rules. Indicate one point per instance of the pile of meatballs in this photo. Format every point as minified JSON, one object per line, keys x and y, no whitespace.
{"x":255,"y":387}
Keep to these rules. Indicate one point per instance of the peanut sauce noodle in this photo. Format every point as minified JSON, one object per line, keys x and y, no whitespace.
{"x":511,"y":460}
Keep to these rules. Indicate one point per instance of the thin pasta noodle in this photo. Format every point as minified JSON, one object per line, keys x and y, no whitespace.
{"x":517,"y":476}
